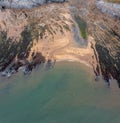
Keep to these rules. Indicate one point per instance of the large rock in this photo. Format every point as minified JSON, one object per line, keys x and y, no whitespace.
{"x":112,"y":9}
{"x":25,"y":3}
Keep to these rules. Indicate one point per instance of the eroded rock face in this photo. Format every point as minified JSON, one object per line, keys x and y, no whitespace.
{"x":25,"y":3}
{"x":112,"y":9}
{"x":29,"y":38}
{"x":105,"y":29}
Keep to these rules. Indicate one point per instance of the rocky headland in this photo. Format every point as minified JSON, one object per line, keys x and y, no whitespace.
{"x":105,"y":30}
{"x":40,"y":35}
{"x":82,"y":31}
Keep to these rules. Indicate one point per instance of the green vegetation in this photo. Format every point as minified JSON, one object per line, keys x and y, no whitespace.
{"x":82,"y":26}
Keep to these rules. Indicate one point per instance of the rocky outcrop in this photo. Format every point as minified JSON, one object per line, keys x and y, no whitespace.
{"x":112,"y":9}
{"x":105,"y":30}
{"x":28,"y":38}
{"x":25,"y":3}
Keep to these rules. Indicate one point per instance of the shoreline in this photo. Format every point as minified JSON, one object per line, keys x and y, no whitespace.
{"x":75,"y":61}
{"x":85,"y":66}
{"x":8,"y":74}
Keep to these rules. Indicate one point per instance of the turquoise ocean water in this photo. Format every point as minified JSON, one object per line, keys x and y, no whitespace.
{"x":65,"y":94}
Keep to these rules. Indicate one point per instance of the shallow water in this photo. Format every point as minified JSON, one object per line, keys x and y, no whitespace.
{"x":65,"y":94}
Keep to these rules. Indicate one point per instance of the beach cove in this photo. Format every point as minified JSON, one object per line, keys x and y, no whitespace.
{"x":67,"y":93}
